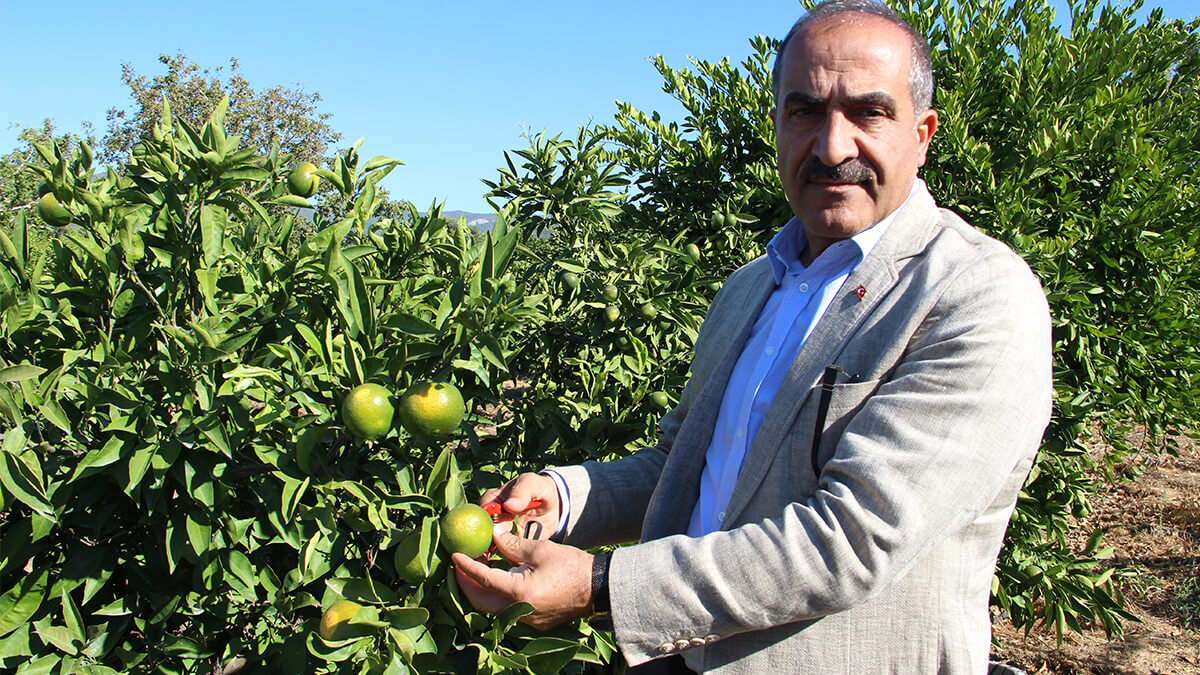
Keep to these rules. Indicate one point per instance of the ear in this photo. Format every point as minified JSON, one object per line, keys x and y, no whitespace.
{"x":927,"y":124}
{"x":773,"y":126}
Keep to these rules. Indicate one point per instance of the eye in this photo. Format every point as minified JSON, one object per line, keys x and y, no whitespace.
{"x":875,"y":112}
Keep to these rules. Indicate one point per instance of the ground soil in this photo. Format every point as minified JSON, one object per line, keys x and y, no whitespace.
{"x":1153,"y":524}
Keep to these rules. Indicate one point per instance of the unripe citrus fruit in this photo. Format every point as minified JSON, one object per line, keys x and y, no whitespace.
{"x":302,"y":181}
{"x":467,"y":529}
{"x":334,"y":620}
{"x":367,"y":411}
{"x":731,"y":220}
{"x":661,"y":399}
{"x":409,"y":563}
{"x":609,"y":293}
{"x":52,"y":211}
{"x":692,"y":251}
{"x":612,"y":313}
{"x":648,"y":311}
{"x":431,"y":410}
{"x":570,"y":280}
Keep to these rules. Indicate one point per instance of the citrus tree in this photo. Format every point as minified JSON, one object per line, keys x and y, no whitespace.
{"x":622,"y":309}
{"x":187,"y":482}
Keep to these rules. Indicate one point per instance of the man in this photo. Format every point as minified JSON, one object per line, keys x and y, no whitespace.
{"x":832,"y":491}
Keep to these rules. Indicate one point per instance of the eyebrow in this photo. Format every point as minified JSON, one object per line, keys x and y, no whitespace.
{"x":879,"y":98}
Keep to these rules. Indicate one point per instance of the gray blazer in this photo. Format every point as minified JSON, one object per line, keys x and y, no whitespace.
{"x":882,"y":562}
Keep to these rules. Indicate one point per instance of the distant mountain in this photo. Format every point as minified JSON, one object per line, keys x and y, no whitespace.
{"x":484,"y":222}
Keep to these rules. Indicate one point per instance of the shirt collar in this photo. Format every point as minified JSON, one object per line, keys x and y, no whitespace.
{"x":785,"y":247}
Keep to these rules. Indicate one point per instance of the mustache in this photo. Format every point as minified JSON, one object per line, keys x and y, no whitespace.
{"x":853,"y":170}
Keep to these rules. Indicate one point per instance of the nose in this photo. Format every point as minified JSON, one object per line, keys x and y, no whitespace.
{"x":835,"y":141}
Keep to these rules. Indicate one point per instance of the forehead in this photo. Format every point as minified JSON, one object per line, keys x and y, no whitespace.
{"x":862,"y":47}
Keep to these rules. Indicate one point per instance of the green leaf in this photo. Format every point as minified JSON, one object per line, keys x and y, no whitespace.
{"x":61,"y":638}
{"x":243,"y":571}
{"x":22,"y":601}
{"x":20,"y":373}
{"x":139,"y":462}
{"x":22,"y":482}
{"x":379,"y":161}
{"x":73,"y":619}
{"x":335,"y":651}
{"x":361,"y":590}
{"x":185,"y":648}
{"x":505,"y":620}
{"x":443,"y":467}
{"x":490,"y":347}
{"x":199,"y":535}
{"x":100,"y":457}
{"x":123,"y":303}
{"x":52,"y":412}
{"x":213,"y":221}
{"x":293,"y":492}
{"x":407,"y":617}
{"x":292,"y":200}
{"x":411,"y":325}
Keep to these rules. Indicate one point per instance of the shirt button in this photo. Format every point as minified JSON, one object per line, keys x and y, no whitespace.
{"x":803,"y":287}
{"x":721,"y":516}
{"x":770,"y":351}
{"x":741,"y":433}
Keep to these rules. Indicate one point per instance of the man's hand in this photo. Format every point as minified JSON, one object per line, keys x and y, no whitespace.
{"x":517,"y":494}
{"x":555,"y":579}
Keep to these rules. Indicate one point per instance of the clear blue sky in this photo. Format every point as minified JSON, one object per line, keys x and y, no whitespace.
{"x":446,"y":87}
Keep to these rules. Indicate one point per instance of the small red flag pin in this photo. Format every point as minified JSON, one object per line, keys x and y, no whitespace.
{"x":860,"y":292}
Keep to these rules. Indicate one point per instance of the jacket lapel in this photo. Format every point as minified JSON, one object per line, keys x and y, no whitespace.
{"x":876,"y":275}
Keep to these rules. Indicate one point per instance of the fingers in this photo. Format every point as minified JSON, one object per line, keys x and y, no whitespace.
{"x":530,"y":496}
{"x":555,"y":579}
{"x":479,"y":583}
{"x":519,"y":493}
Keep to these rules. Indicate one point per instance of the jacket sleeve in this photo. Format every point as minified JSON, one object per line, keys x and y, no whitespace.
{"x":924,"y":456}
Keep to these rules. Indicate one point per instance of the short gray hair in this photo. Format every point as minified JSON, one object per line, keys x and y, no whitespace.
{"x":920,"y":74}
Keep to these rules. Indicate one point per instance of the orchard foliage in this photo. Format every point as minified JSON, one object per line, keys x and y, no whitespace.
{"x":179,"y":491}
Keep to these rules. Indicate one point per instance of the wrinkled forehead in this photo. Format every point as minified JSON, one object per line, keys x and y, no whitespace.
{"x":862,"y":45}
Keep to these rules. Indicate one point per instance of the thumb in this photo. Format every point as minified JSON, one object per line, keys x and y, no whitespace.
{"x":515,"y":549}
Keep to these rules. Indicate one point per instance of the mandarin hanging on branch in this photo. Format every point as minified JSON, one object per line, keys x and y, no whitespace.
{"x":302,"y":181}
{"x":467,"y":529}
{"x":333,"y":621}
{"x":367,"y":411}
{"x":431,"y":411}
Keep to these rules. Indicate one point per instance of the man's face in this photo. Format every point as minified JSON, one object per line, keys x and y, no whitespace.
{"x":848,"y":141}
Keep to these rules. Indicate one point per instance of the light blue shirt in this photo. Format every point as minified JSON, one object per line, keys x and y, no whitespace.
{"x":801,"y":297}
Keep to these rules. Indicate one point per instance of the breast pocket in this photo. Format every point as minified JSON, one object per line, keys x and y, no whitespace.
{"x":845,"y":401}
